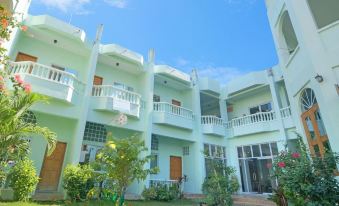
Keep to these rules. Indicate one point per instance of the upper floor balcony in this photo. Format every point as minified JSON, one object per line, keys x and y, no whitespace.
{"x":213,"y":125}
{"x":110,"y":98}
{"x":47,"y":80}
{"x":169,"y":114}
{"x":257,"y":123}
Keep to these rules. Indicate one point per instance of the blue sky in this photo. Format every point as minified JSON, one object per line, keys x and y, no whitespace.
{"x":221,"y":38}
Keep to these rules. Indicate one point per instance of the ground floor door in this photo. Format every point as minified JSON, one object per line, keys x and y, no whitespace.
{"x":175,"y":168}
{"x":51,"y":169}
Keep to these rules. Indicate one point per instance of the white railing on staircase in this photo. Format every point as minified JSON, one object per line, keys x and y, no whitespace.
{"x":114,"y":92}
{"x":212,"y":120}
{"x":43,"y":72}
{"x":172,"y":109}
{"x":285,"y":112}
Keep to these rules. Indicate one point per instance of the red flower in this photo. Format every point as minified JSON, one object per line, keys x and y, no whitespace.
{"x":281,"y":164}
{"x":295,"y":155}
{"x":24,"y":28}
{"x":27,"y":88}
{"x":4,"y":23}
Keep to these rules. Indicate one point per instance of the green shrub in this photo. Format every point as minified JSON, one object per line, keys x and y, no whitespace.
{"x":78,"y":181}
{"x":162,"y":192}
{"x":220,"y":185}
{"x":23,"y":179}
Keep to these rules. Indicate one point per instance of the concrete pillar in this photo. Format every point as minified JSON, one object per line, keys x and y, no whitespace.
{"x":277,"y":106}
{"x":84,"y":104}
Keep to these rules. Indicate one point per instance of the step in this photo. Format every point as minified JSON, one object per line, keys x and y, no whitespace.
{"x":48,"y":196}
{"x":252,"y":200}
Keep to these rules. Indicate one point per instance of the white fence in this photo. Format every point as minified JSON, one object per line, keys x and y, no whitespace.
{"x":172,"y":109}
{"x":111,"y":91}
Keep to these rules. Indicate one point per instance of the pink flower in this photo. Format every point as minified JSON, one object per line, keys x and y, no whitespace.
{"x":4,"y":23}
{"x":1,"y":78}
{"x":295,"y":155}
{"x":2,"y":87}
{"x":269,"y":165}
{"x":24,"y":28}
{"x":27,"y":88}
{"x":18,"y":79}
{"x":281,"y":164}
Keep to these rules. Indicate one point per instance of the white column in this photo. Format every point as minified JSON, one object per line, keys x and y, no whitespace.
{"x":80,"y":127}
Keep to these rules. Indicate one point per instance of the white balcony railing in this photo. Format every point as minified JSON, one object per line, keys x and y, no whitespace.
{"x":172,"y":109}
{"x":43,"y":72}
{"x":285,"y":112}
{"x":212,"y":120}
{"x":251,"y":119}
{"x":113,"y":92}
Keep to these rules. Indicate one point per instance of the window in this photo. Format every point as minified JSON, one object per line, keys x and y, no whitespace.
{"x":29,"y":117}
{"x":156,"y":98}
{"x":95,"y":132}
{"x":88,"y":153}
{"x":154,"y":142}
{"x":213,"y":153}
{"x":176,"y":102}
{"x":123,"y":86}
{"x":324,"y":12}
{"x":154,"y":160}
{"x":261,"y":108}
{"x":291,"y":41}
{"x":186,"y":150}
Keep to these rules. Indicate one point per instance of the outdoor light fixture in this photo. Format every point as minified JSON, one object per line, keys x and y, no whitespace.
{"x":319,"y":78}
{"x":337,"y":88}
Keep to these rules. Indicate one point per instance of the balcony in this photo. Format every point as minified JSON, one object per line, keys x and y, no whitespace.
{"x":212,"y":125}
{"x":110,"y":98}
{"x":287,"y":117}
{"x":47,"y":80}
{"x":251,"y":124}
{"x":172,"y":115}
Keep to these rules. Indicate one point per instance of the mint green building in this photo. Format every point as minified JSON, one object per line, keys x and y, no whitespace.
{"x":179,"y":115}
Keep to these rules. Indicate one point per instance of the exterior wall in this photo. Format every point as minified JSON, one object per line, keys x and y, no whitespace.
{"x":281,"y":86}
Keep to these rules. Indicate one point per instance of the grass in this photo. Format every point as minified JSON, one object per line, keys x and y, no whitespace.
{"x":104,"y":203}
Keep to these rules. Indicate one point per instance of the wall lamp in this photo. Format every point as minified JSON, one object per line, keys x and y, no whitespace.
{"x":319,"y":78}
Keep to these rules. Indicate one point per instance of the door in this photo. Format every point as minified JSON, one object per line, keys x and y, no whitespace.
{"x":175,"y":168}
{"x":26,"y":57}
{"x":176,"y":110}
{"x":253,"y":174}
{"x":51,"y":169}
{"x":97,"y":81}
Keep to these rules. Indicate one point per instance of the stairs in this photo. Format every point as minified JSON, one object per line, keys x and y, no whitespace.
{"x":252,"y":200}
{"x":48,"y":196}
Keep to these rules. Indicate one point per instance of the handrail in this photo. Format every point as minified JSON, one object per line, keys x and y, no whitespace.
{"x":43,"y":72}
{"x":114,"y":92}
{"x":172,"y":109}
{"x":285,"y":112}
{"x":250,"y":119}
{"x":210,"y":119}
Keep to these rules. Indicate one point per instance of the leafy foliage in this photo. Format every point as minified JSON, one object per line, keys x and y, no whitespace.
{"x":78,"y":180}
{"x":220,"y":184}
{"x":23,"y":179}
{"x":307,"y":180}
{"x":162,"y":192}
{"x":121,"y":163}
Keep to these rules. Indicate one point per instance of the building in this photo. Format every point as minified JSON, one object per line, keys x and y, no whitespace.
{"x":180,"y":115}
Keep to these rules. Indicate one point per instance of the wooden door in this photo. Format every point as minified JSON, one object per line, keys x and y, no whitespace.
{"x":25,"y":57}
{"x":176,"y":102}
{"x":175,"y":168}
{"x":51,"y":169}
{"x":315,"y":131}
{"x":97,"y":80}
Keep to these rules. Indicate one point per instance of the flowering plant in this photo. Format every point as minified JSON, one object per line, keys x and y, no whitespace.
{"x":306,"y":180}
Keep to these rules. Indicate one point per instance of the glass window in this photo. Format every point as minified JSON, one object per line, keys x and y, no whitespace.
{"x":254,"y":110}
{"x":154,"y":161}
{"x":123,"y":86}
{"x":265,"y":150}
{"x":213,"y":150}
{"x":154,"y":143}
{"x":320,"y":123}
{"x":274,"y":148}
{"x":291,"y":41}
{"x":240,"y":153}
{"x":207,"y":149}
{"x":324,"y":12}
{"x":247,"y":150}
{"x":316,"y":150}
{"x":310,"y":127}
{"x":256,"y":150}
{"x":156,"y":98}
{"x":266,"y":107}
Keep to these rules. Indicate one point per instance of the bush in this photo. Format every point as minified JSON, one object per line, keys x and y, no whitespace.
{"x":78,"y":181}
{"x":220,"y":185}
{"x":23,"y":179}
{"x":305,"y":180}
{"x":162,"y":192}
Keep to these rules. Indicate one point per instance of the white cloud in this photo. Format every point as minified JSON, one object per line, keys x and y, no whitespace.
{"x":181,"y":62}
{"x":221,"y":74}
{"x":121,"y":4}
{"x":68,"y":6}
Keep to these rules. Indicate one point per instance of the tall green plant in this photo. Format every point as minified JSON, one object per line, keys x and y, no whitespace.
{"x":121,"y":163}
{"x":307,"y":180}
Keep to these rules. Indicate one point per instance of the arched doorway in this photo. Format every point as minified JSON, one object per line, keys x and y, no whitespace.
{"x":313,"y":124}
